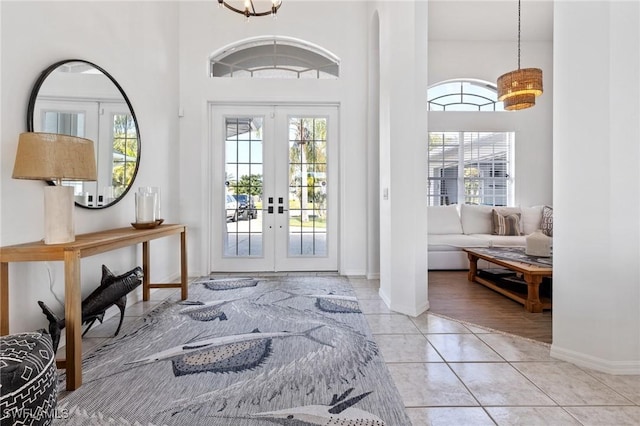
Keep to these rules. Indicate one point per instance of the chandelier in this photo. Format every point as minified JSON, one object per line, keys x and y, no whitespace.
{"x":250,"y":10}
{"x":518,"y":89}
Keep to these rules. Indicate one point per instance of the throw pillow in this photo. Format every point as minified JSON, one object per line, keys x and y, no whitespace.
{"x":547,"y":221}
{"x":443,"y":220}
{"x":531,"y":219}
{"x":475,"y":219}
{"x":508,"y":224}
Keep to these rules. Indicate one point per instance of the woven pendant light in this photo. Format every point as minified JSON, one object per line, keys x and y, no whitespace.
{"x":518,"y":89}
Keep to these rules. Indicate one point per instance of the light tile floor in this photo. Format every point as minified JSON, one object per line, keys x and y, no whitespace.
{"x":449,"y":373}
{"x":455,"y":374}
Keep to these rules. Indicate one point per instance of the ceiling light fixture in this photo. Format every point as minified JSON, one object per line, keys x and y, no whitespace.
{"x":250,"y":10}
{"x":518,"y":89}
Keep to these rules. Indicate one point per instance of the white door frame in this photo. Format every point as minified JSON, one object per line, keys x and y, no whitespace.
{"x":217,"y":110}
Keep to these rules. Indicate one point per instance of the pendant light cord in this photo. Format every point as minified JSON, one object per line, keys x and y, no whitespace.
{"x":518,"y":34}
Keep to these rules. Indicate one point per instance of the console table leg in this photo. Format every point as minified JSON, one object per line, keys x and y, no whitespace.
{"x":533,"y":303}
{"x":4,"y":299}
{"x":73,"y":319}
{"x":184,"y":276}
{"x":146,"y":257}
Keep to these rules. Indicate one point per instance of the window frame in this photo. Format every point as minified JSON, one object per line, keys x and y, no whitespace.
{"x":274,"y":57}
{"x":488,"y":101}
{"x":453,"y":187}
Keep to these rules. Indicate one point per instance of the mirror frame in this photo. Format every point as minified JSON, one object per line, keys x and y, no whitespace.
{"x":31,"y":110}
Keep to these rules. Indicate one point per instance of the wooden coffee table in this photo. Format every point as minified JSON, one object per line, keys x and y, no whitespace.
{"x":532,"y":273}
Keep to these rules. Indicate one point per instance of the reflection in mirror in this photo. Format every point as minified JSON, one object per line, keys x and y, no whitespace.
{"x":78,"y":98}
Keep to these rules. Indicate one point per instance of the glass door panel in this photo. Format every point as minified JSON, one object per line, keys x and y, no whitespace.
{"x":307,"y":186}
{"x":243,"y":182}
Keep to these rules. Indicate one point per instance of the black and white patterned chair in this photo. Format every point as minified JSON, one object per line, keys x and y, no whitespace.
{"x":28,"y":386}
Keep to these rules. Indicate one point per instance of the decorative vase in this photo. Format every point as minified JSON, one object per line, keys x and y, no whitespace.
{"x":538,"y":244}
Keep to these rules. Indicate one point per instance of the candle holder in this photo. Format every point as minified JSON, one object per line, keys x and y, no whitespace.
{"x":146,"y":208}
{"x":154,"y":190}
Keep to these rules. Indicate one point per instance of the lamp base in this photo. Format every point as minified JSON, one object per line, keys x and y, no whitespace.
{"x":58,"y":215}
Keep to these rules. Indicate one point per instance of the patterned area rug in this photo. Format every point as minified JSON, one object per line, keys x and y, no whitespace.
{"x":242,"y":351}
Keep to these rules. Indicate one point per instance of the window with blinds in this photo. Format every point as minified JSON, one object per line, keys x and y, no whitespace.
{"x":470,"y":168}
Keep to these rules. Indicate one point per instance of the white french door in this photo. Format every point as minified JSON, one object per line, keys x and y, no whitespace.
{"x":274,"y":188}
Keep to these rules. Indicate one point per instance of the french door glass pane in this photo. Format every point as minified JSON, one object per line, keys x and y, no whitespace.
{"x":125,"y":152}
{"x":307,"y":186}
{"x":66,"y":123}
{"x":243,"y":181}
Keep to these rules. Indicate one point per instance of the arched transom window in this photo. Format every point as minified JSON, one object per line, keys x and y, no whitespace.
{"x":274,"y":57}
{"x":464,"y":95}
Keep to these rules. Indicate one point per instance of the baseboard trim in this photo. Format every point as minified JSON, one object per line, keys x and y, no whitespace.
{"x":412,"y":311}
{"x":594,"y":363}
{"x":352,"y":272}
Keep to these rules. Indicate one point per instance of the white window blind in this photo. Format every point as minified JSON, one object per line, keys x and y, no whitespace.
{"x":470,"y":168}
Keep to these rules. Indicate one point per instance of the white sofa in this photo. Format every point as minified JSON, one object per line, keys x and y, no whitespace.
{"x":452,"y":228}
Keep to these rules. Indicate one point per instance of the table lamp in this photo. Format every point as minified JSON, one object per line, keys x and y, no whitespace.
{"x":55,"y":157}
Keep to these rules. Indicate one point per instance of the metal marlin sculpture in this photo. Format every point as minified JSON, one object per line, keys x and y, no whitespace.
{"x":224,"y":354}
{"x":113,"y":290}
{"x":339,"y":412}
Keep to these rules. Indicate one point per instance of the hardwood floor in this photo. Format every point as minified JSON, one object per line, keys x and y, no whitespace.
{"x":452,"y":295}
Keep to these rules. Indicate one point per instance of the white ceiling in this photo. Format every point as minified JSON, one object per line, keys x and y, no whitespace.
{"x":484,"y":20}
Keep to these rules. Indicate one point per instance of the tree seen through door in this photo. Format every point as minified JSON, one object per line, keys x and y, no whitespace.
{"x":307,"y":186}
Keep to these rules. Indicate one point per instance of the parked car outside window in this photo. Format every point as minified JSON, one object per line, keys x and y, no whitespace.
{"x":231,"y":207}
{"x":246,"y":207}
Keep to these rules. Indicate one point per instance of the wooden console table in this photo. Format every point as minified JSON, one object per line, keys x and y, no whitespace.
{"x":86,"y":245}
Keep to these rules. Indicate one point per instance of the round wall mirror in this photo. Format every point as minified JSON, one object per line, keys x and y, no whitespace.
{"x":78,"y":98}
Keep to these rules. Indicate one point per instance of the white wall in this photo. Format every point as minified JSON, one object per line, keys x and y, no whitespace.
{"x":373,"y":147}
{"x":486,"y":60}
{"x":136,"y":42}
{"x":596,"y":320}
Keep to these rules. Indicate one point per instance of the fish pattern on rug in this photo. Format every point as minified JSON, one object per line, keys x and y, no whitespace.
{"x":284,"y":350}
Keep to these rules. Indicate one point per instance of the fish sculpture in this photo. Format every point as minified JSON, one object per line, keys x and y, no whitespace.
{"x":205,"y":311}
{"x":227,"y":283}
{"x":113,"y":290}
{"x":223,"y":354}
{"x":339,"y":412}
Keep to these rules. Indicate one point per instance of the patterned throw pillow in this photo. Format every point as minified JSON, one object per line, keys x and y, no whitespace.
{"x":508,"y":224}
{"x":547,"y":221}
